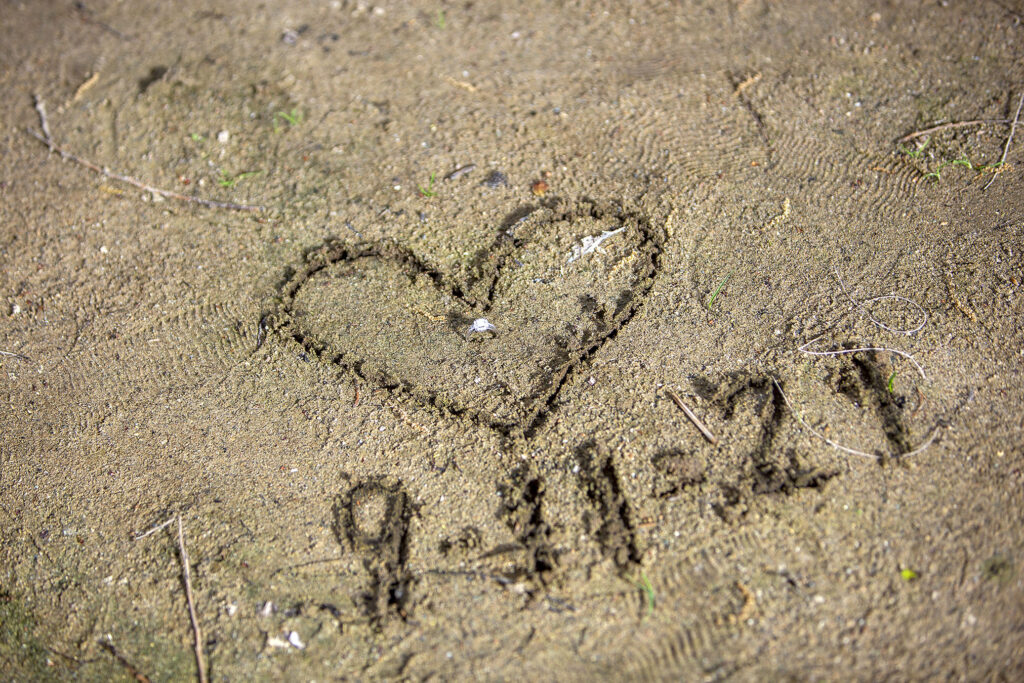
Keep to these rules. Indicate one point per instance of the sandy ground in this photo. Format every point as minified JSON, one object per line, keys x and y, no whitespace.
{"x":698,"y":198}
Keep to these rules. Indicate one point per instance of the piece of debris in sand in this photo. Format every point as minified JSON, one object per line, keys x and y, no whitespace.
{"x":291,"y":640}
{"x":481,"y":326}
{"x":590,"y":244}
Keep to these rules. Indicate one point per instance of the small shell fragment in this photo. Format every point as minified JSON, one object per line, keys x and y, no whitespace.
{"x":274,"y":641}
{"x":590,"y":244}
{"x":481,"y":326}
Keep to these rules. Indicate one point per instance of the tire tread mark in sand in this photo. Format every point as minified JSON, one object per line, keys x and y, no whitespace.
{"x":699,"y":606}
{"x":615,"y":529}
{"x":755,"y":114}
{"x":544,"y":401}
{"x":186,"y":350}
{"x":828,"y":170}
{"x":372,"y":519}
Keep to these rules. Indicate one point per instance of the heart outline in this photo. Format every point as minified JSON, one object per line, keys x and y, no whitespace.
{"x":483,"y":278}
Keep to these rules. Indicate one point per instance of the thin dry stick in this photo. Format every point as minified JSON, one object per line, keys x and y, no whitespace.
{"x":48,"y":141}
{"x":1009,"y":139}
{"x":693,"y":418}
{"x":155,"y":529}
{"x":747,"y":82}
{"x":945,"y":126}
{"x":43,"y":122}
{"x":123,"y":661}
{"x":838,"y":446}
{"x":10,"y":354}
{"x":191,"y":603}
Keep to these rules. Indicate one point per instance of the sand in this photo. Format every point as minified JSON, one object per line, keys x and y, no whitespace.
{"x":702,"y":198}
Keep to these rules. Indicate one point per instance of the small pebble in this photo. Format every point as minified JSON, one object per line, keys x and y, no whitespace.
{"x":496,"y":179}
{"x":223,"y":137}
{"x":539,"y":188}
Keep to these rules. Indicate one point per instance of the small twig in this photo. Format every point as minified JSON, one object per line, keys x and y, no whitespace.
{"x":460,"y":84}
{"x":86,"y":84}
{"x":747,"y":82}
{"x":43,"y":122}
{"x":48,"y":141}
{"x":1009,"y":139}
{"x":123,"y":661}
{"x":749,"y":608}
{"x":155,"y":529}
{"x":945,"y":126}
{"x":920,"y":402}
{"x":460,"y":171}
{"x":10,"y":354}
{"x":191,"y":603}
{"x":87,"y":16}
{"x":693,"y":418}
{"x":187,"y":578}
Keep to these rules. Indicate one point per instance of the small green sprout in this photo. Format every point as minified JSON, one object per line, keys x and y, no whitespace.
{"x":645,"y":587}
{"x":292,"y":118}
{"x":429,"y":191}
{"x":439,"y":20}
{"x":892,"y":381}
{"x":963,"y":161}
{"x":984,"y":168}
{"x":230,"y":181}
{"x":196,"y":137}
{"x":936,"y":175}
{"x":714,"y":295}
{"x":914,"y":153}
{"x":908,"y":575}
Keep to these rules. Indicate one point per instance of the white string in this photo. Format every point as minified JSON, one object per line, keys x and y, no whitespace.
{"x":862,"y":306}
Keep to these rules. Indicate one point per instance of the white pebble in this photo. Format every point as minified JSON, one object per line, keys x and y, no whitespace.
{"x":296,"y":642}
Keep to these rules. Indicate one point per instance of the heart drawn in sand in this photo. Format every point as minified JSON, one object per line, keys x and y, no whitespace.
{"x":378,"y":310}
